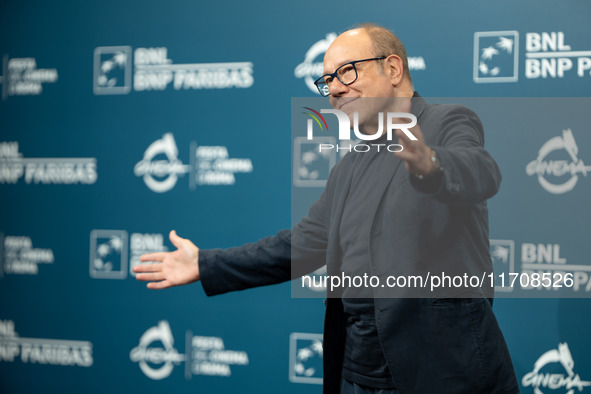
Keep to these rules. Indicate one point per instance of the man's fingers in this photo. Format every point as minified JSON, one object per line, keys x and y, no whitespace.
{"x":150,"y":276}
{"x":402,"y":137}
{"x":148,"y":268}
{"x":175,"y":239}
{"x":404,"y":155}
{"x":159,"y":285}
{"x":403,"y":140}
{"x":415,"y":131}
{"x":158,"y":256}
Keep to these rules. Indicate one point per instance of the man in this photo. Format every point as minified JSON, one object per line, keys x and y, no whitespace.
{"x":376,"y":216}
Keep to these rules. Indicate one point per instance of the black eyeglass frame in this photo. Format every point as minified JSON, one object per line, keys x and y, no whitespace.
{"x":335,"y":74}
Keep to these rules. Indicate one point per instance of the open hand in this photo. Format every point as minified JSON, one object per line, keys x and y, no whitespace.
{"x":176,"y":268}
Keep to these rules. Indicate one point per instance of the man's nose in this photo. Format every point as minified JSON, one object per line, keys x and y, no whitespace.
{"x":337,"y":88}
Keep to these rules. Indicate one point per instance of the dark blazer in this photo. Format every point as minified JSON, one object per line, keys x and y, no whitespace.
{"x":433,"y":344}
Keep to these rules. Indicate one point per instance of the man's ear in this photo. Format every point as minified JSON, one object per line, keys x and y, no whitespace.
{"x":394,"y":68}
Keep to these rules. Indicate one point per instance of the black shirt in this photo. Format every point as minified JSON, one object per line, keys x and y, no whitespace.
{"x":364,"y":361}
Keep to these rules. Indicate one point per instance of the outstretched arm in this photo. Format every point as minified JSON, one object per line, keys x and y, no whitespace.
{"x":179,"y":267}
{"x":470,"y":175}
{"x":221,"y":270}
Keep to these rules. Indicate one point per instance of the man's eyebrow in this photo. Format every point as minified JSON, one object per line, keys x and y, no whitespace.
{"x":343,"y":63}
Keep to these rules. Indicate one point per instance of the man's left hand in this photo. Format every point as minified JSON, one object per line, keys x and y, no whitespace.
{"x":415,"y":154}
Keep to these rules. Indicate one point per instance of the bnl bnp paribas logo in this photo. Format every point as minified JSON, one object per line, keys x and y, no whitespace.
{"x":313,"y":65}
{"x":152,"y":70}
{"x":157,"y":356}
{"x":109,"y":251}
{"x":14,"y":168}
{"x":547,"y":55}
{"x":161,"y":168}
{"x":558,"y":166}
{"x":58,"y":352}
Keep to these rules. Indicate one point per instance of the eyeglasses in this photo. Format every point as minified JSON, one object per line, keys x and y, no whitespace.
{"x":346,"y":74}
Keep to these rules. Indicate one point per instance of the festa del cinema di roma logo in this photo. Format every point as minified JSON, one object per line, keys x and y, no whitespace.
{"x":147,"y":357}
{"x":160,"y":167}
{"x":393,"y":120}
{"x":161,"y":175}
{"x":157,"y":356}
{"x":562,"y":359}
{"x":543,"y":167}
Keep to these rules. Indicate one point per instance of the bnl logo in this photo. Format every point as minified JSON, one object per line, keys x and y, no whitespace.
{"x":108,"y":254}
{"x":112,"y":70}
{"x":496,"y":56}
{"x":305,"y":358}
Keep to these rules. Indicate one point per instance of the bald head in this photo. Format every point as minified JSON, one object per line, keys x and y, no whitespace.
{"x":351,"y":45}
{"x":385,"y":43}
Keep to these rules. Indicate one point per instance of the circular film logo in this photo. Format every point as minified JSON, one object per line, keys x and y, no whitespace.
{"x":551,"y":362}
{"x":149,"y":358}
{"x":312,"y":66}
{"x":543,"y":168}
{"x":161,"y":175}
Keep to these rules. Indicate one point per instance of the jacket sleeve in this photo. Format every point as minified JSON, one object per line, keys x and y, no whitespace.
{"x":254,"y":264}
{"x":470,"y":175}
{"x":279,"y":258}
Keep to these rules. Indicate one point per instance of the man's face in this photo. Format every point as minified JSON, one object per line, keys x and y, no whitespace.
{"x":372,"y":81}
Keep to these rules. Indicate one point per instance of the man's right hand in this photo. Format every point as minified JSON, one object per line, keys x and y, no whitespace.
{"x":176,"y":268}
